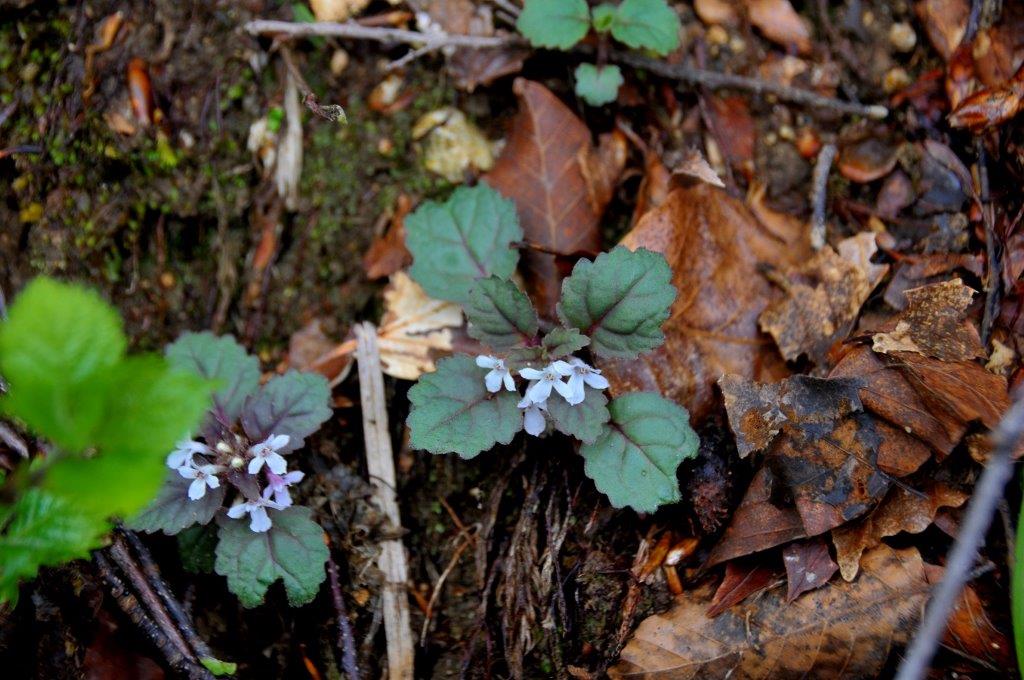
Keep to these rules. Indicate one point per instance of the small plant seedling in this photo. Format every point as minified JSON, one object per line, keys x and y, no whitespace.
{"x":240,"y":456}
{"x":640,"y":24}
{"x":613,"y":306}
{"x":107,"y":420}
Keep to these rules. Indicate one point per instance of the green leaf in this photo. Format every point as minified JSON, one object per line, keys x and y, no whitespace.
{"x":649,"y":24}
{"x":173,"y":511}
{"x":196,"y":546}
{"x":42,"y":530}
{"x":585,"y":420}
{"x":468,"y":237}
{"x":500,"y":314}
{"x":55,"y":347}
{"x":293,"y":550}
{"x":295,"y":404}
{"x":620,"y":300}
{"x":218,"y":667}
{"x":557,"y":24}
{"x":221,"y":359}
{"x":453,"y":412}
{"x":603,"y":17}
{"x":598,"y":85}
{"x":149,"y":406}
{"x":562,"y":342}
{"x":634,"y":460}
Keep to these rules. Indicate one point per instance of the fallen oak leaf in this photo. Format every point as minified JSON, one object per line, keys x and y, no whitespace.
{"x":842,"y":630}
{"x":902,"y":510}
{"x":560,"y":183}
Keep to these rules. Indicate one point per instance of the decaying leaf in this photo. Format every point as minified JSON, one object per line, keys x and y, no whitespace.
{"x":715,"y":248}
{"x":808,"y":566}
{"x":742,"y":579}
{"x":867,"y":156}
{"x":823,"y":298}
{"x":780,"y":23}
{"x":992,"y":106}
{"x":734,"y":130}
{"x":969,"y":630}
{"x":902,"y":510}
{"x":843,"y":630}
{"x":415,"y":329}
{"x":934,"y":324}
{"x":693,"y":166}
{"x":387,"y":253}
{"x":560,"y":183}
{"x":453,"y":145}
{"x":758,"y":523}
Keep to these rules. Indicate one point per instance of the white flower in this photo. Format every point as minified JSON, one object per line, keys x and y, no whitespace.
{"x":583,"y":374}
{"x":542,"y":381}
{"x":202,"y":477}
{"x":267,"y":452}
{"x":277,"y":486}
{"x":183,"y":453}
{"x":533,"y":415}
{"x":259,"y":520}
{"x":497,"y":375}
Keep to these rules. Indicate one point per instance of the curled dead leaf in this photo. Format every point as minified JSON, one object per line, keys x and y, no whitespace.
{"x":742,"y":579}
{"x":808,"y":566}
{"x":945,"y":22}
{"x":780,"y":23}
{"x":415,"y":329}
{"x":935,"y":324}
{"x":454,"y":145}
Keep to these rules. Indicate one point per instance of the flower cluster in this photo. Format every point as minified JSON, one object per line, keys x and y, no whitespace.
{"x":568,"y":378}
{"x":208,"y":467}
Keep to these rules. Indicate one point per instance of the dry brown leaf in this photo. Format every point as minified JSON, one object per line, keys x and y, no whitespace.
{"x":843,"y":630}
{"x":823,"y":298}
{"x":780,"y":23}
{"x":969,"y":631}
{"x":693,"y":166}
{"x":734,"y":131}
{"x":902,"y":510}
{"x":934,"y":324}
{"x":740,"y":581}
{"x":808,"y":566}
{"x":716,"y":248}
{"x":387,"y":254}
{"x":560,"y":183}
{"x":757,"y":524}
{"x":992,"y":106}
{"x":866,"y":158}
{"x":917,"y":270}
{"x":716,"y":11}
{"x":415,"y":328}
{"x":945,"y":22}
{"x":454,"y":145}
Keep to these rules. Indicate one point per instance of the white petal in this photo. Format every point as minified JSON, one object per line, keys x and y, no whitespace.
{"x":560,"y":367}
{"x":596,"y":380}
{"x":294,"y":477}
{"x":531,"y":373}
{"x":576,"y":362}
{"x":267,"y":493}
{"x":178,"y":458}
{"x":539,"y":391}
{"x":485,"y":361}
{"x":213,"y":482}
{"x":188,"y":472}
{"x":510,"y":382}
{"x":260,"y":520}
{"x":493,"y":381}
{"x":237,"y":510}
{"x":533,"y":421}
{"x":255,"y":464}
{"x":197,"y":489}
{"x":572,"y":390}
{"x":278,"y":442}
{"x":276,"y":463}
{"x":524,"y":402}
{"x":283,"y":498}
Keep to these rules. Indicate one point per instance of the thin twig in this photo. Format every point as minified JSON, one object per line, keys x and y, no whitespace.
{"x":380,"y":465}
{"x":986,"y":496}
{"x":355,"y":31}
{"x":819,"y":194}
{"x":716,"y":81}
{"x":467,"y":540}
{"x":993,"y":275}
{"x":346,"y":639}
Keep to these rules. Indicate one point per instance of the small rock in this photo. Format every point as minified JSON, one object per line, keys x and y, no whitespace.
{"x":339,"y":61}
{"x":895,"y":79}
{"x":717,"y":35}
{"x":902,"y":37}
